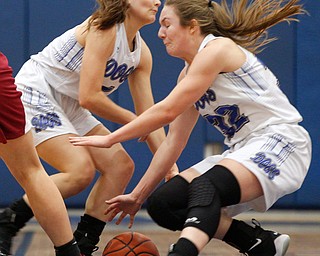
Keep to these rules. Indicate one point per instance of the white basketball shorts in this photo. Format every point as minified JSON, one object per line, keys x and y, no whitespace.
{"x":51,"y":113}
{"x":279,"y":156}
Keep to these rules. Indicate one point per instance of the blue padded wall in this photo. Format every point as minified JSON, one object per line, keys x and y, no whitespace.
{"x":308,"y":96}
{"x":13,"y":29}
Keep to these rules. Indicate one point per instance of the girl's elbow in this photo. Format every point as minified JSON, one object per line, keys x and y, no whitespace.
{"x":166,"y":118}
{"x":165,"y":112}
{"x":85,"y":103}
{"x":170,"y":115}
{"x":170,"y":118}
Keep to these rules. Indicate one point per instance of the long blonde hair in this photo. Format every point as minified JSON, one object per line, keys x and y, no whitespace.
{"x":108,"y":13}
{"x":245,"y":22}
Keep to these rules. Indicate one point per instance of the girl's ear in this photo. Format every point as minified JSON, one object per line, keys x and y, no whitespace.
{"x":194,"y":25}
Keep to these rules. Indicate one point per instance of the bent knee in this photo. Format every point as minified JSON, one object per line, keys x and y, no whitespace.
{"x":128,"y":165}
{"x":165,"y":216}
{"x":122,"y":166}
{"x":168,"y":204}
{"x":81,"y":175}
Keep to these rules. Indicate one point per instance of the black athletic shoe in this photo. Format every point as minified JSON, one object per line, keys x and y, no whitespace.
{"x":86,"y":246}
{"x":8,"y":230}
{"x":171,"y":251}
{"x":4,"y":252}
{"x":5,"y":247}
{"x":267,"y":242}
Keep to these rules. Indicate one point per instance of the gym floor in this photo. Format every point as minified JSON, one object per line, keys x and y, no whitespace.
{"x":302,"y":226}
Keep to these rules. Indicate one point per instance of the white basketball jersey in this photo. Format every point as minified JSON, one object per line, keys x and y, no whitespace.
{"x":62,"y":58}
{"x":246,"y":100}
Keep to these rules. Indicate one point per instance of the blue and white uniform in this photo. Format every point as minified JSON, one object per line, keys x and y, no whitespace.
{"x":260,"y":127}
{"x":49,"y":82}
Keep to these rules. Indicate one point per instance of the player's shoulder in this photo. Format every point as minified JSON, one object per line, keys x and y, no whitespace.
{"x":224,"y":53}
{"x":220,"y":44}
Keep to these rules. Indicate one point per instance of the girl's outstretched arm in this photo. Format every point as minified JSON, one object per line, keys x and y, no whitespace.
{"x":164,"y":158}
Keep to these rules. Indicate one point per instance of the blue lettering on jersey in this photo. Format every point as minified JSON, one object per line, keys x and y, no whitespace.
{"x":107,"y":89}
{"x":117,"y":72}
{"x":227,"y":120}
{"x":266,"y":164}
{"x":205,"y":99}
{"x":42,"y":122}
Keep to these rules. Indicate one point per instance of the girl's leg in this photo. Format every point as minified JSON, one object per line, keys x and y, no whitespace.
{"x":116,"y":169}
{"x":248,"y":239}
{"x":76,"y":172}
{"x":45,"y":199}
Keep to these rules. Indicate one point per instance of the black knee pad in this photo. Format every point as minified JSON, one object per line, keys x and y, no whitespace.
{"x":204,"y":206}
{"x":168,"y":205}
{"x":225,"y":183}
{"x":207,"y":194}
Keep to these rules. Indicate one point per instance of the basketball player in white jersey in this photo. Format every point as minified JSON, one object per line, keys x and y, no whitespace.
{"x":72,"y":78}
{"x":269,"y":152}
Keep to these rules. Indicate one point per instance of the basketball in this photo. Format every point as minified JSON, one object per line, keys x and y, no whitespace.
{"x":130,"y":244}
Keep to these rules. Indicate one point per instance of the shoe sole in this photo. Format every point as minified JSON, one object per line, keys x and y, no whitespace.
{"x":282,"y":243}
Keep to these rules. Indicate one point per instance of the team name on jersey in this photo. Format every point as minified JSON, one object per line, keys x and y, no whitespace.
{"x":43,"y":121}
{"x":208,"y":97}
{"x":118,"y":72}
{"x":266,"y":164}
{"x":226,"y":118}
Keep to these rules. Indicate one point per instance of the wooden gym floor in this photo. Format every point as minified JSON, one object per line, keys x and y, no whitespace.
{"x":302,"y":226}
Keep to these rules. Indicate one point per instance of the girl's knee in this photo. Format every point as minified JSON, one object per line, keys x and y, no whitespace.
{"x":81,"y":175}
{"x":122,"y":166}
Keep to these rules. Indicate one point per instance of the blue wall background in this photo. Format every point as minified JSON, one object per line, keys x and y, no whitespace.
{"x":27,"y":26}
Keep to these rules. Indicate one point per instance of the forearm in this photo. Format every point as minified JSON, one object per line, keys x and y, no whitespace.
{"x":105,"y":108}
{"x":146,"y":123}
{"x":155,"y":139}
{"x":163,"y":160}
{"x":117,"y":115}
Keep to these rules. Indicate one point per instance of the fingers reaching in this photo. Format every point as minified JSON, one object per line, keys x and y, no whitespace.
{"x":131,"y":221}
{"x":99,"y":141}
{"x":113,"y":211}
{"x":78,"y":141}
{"x":123,"y":204}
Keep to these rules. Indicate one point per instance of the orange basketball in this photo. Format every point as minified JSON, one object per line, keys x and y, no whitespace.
{"x":130,"y":244}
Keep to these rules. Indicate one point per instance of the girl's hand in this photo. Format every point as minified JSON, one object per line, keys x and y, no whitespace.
{"x":126,"y":204}
{"x":100,"y":141}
